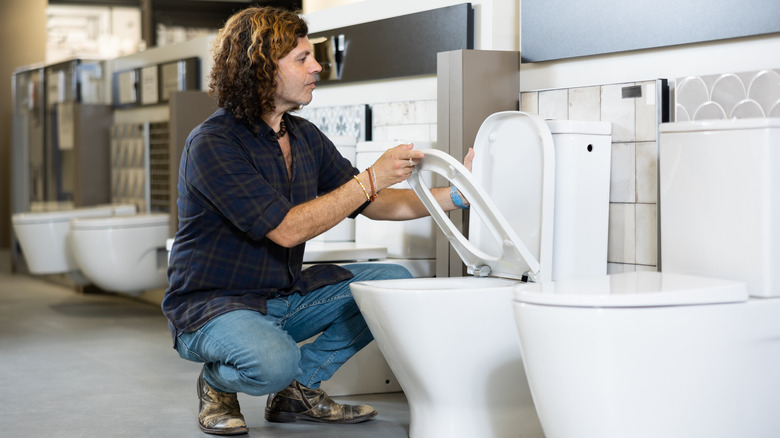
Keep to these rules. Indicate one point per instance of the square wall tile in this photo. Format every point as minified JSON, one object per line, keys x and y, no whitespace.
{"x":529,"y":102}
{"x":622,"y":181}
{"x":618,"y":111}
{"x":425,"y":111}
{"x":622,"y":234}
{"x":403,"y":132}
{"x":647,"y":113}
{"x":554,"y":104}
{"x":646,"y":234}
{"x":647,"y":172}
{"x":393,"y":113}
{"x":585,"y":103}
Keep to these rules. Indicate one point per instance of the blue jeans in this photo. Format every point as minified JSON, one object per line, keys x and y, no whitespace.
{"x":246,"y":351}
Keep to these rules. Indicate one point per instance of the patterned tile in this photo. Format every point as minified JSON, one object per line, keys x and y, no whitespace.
{"x":343,"y":121}
{"x":729,"y":95}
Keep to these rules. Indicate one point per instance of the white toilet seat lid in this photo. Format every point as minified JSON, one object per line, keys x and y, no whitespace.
{"x":632,"y":289}
{"x":131,"y":221}
{"x":500,"y":135}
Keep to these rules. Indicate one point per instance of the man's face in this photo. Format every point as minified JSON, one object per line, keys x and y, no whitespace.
{"x":297,"y":72}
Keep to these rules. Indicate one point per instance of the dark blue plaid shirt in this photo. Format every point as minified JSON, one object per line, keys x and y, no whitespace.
{"x":234,"y":189}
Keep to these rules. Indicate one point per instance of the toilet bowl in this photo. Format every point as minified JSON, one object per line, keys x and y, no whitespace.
{"x":690,"y":351}
{"x":122,"y":254}
{"x":43,"y":236}
{"x":451,"y":341}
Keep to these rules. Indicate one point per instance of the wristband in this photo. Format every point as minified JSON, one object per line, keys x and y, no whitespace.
{"x":456,"y":199}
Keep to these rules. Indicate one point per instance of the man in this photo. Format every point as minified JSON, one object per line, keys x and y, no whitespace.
{"x":255,"y":183}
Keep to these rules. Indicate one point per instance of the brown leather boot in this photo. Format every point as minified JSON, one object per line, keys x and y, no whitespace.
{"x":297,"y":402}
{"x":220,"y":413}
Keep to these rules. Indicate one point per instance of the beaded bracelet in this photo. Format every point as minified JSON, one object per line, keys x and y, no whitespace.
{"x":456,"y":199}
{"x":372,"y":180}
{"x":362,"y":187}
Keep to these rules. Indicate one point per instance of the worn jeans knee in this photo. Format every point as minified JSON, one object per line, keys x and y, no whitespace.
{"x":243,"y":351}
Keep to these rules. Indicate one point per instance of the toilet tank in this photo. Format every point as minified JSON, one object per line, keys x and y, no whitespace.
{"x":719,"y":200}
{"x":583,"y":151}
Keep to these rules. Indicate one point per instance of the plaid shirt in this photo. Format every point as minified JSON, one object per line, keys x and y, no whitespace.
{"x":234,"y":189}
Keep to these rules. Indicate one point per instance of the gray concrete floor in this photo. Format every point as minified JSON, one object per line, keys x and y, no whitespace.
{"x":102,"y":365}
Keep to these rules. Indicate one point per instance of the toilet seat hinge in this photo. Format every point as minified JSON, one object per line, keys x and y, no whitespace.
{"x":479,"y":271}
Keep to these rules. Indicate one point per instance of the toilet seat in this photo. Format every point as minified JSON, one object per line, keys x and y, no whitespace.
{"x":634,"y":289}
{"x":505,"y":254}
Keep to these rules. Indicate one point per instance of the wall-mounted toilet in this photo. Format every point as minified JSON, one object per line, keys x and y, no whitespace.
{"x":690,"y":351}
{"x":451,"y":342}
{"x":122,"y":253}
{"x":110,"y":246}
{"x":43,"y":236}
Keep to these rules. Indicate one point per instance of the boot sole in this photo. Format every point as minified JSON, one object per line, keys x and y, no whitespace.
{"x":224,"y":432}
{"x":291,"y":417}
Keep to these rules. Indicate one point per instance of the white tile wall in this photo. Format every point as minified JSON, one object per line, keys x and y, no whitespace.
{"x":621,"y":112}
{"x":622,"y":233}
{"x":622,"y":187}
{"x":585,"y":103}
{"x":647,"y":172}
{"x":554,"y":104}
{"x":412,"y":120}
{"x":633,"y":231}
{"x":646,"y":234}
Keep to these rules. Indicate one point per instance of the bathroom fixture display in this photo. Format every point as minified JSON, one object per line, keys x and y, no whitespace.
{"x":122,"y":254}
{"x":43,"y":236}
{"x":59,"y":131}
{"x":690,"y":351}
{"x":435,"y":331}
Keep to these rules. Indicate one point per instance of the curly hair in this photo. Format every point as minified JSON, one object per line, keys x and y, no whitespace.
{"x":246,"y":54}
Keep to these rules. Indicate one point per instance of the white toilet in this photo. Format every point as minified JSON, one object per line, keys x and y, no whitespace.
{"x":124,"y":254}
{"x":451,"y":342}
{"x":110,"y":246}
{"x":43,"y":236}
{"x":694,"y":350}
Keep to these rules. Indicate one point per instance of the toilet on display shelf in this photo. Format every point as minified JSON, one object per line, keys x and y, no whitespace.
{"x":110,"y":246}
{"x":362,"y":240}
{"x":690,"y":351}
{"x":452,"y":342}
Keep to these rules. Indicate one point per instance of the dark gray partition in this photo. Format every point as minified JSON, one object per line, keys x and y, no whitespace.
{"x":393,"y":47}
{"x":555,"y":29}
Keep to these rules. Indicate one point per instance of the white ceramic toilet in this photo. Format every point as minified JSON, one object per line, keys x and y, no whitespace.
{"x":693,"y":351}
{"x":43,"y":236}
{"x":451,"y":342}
{"x":122,"y":254}
{"x":110,"y":246}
